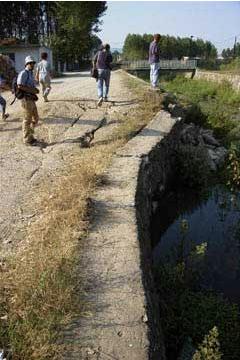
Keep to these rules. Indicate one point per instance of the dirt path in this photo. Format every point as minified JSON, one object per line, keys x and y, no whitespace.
{"x":71,"y":112}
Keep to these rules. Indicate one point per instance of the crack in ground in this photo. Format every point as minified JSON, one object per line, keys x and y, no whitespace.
{"x":35,"y":171}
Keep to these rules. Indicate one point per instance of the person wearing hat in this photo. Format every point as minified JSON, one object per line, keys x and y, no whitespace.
{"x":26,"y":84}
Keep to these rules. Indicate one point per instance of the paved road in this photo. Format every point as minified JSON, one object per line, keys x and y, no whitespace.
{"x":71,"y":112}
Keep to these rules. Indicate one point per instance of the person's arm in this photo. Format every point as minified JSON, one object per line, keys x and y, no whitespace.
{"x":28,"y":89}
{"x":94,"y":63}
{"x":110,"y":58}
{"x":49,"y":70}
{"x":37,"y":76}
{"x":155,"y":49}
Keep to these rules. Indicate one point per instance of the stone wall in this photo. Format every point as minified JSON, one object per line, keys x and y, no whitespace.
{"x":219,"y":77}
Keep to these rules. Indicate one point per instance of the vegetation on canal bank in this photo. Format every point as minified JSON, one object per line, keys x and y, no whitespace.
{"x":193,"y":317}
{"x":213,"y":105}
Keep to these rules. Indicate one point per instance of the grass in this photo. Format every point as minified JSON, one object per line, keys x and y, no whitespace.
{"x":40,"y":285}
{"x":232,"y":67}
{"x":217,"y":105}
{"x":187,"y":309}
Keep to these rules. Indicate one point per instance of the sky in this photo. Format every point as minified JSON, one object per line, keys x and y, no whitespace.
{"x":217,"y":21}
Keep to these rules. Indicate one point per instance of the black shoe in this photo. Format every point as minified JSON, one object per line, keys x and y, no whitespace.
{"x":31,"y":142}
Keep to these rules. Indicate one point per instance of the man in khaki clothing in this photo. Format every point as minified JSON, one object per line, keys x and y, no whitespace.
{"x":26,"y":84}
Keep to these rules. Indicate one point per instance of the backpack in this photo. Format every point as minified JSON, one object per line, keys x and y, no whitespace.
{"x":19,"y":94}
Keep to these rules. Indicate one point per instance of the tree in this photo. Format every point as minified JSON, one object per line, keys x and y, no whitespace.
{"x":136,"y":47}
{"x":75,"y":23}
{"x":68,"y":27}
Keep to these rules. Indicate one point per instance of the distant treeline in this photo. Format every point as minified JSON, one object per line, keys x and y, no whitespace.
{"x":136,"y":47}
{"x":67,"y":26}
{"x":231,"y":53}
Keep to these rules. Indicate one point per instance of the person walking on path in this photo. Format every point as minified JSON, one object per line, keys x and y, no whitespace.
{"x":154,"y":58}
{"x":26,"y":84}
{"x":2,"y":100}
{"x":43,"y":75}
{"x":102,"y":62}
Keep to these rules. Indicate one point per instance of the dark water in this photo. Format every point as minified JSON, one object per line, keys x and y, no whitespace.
{"x":209,"y":223}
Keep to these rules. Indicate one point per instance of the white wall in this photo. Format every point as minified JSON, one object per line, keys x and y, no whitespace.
{"x":21,"y":54}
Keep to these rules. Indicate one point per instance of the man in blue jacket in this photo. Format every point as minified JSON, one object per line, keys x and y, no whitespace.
{"x":154,"y":58}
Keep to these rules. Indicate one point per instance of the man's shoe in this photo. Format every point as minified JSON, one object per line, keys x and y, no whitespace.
{"x":5,"y":116}
{"x":31,"y":142}
{"x":155,"y":88}
{"x":105,"y":98}
{"x":100,"y":101}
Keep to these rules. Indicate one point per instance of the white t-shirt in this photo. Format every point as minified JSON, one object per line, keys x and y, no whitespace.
{"x":44,"y":68}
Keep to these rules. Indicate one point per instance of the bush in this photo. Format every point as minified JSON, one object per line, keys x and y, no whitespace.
{"x":213,"y":105}
{"x":187,"y":311}
{"x":210,"y":348}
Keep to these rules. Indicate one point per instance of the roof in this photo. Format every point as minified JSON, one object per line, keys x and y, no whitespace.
{"x":22,"y":46}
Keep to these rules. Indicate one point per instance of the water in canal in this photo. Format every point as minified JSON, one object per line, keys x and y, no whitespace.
{"x":196,"y":256}
{"x":185,"y":219}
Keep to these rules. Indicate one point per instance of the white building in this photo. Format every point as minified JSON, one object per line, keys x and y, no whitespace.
{"x":18,"y":52}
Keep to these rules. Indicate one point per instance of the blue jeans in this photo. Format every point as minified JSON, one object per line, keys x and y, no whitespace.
{"x":154,"y":74}
{"x":103,"y":79}
{"x":2,"y":104}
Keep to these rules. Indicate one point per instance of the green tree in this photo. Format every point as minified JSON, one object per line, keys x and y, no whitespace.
{"x":136,"y":47}
{"x":75,"y":23}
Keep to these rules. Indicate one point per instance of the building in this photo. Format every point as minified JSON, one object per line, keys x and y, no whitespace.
{"x":18,"y":52}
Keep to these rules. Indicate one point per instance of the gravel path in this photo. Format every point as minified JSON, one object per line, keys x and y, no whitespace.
{"x":70,"y":113}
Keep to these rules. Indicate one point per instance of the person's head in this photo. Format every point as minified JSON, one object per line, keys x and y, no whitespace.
{"x":157,"y":37}
{"x":29,"y":62}
{"x":107,"y":47}
{"x":44,"y":56}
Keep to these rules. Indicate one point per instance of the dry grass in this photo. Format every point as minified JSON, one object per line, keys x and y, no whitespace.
{"x":39,"y":288}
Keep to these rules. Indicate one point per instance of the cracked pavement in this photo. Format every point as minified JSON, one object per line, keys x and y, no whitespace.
{"x":70,"y":113}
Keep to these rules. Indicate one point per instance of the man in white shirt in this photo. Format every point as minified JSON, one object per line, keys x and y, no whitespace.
{"x":43,"y":75}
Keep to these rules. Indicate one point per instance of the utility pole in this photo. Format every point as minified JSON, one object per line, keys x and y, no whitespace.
{"x":234,"y":47}
{"x":191,"y":49}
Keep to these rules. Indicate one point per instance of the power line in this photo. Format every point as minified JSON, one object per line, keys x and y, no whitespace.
{"x":230,"y":38}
